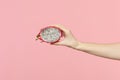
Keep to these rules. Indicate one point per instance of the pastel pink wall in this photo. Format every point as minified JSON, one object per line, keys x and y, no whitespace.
{"x":23,"y":58}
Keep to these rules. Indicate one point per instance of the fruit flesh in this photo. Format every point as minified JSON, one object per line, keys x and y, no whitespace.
{"x":50,"y":34}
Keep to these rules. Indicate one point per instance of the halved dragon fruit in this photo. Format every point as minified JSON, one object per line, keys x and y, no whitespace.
{"x":50,"y":34}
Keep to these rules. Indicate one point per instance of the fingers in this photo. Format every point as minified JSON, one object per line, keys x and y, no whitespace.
{"x":61,"y":43}
{"x":61,"y":27}
{"x":58,"y":44}
{"x":67,"y":33}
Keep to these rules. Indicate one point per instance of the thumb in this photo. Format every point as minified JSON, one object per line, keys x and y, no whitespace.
{"x":60,"y":43}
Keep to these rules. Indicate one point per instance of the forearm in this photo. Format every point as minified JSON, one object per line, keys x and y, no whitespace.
{"x":108,"y":50}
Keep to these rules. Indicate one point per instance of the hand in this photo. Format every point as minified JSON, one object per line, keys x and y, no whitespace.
{"x":69,"y":39}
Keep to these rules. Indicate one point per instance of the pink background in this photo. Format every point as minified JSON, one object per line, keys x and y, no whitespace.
{"x":23,"y":58}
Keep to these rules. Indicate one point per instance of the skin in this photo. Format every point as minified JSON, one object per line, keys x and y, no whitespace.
{"x":106,"y":50}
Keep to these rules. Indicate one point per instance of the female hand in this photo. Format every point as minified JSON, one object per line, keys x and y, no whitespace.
{"x":69,"y":39}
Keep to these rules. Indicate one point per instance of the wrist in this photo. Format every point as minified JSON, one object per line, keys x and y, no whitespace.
{"x":75,"y":44}
{"x":78,"y":45}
